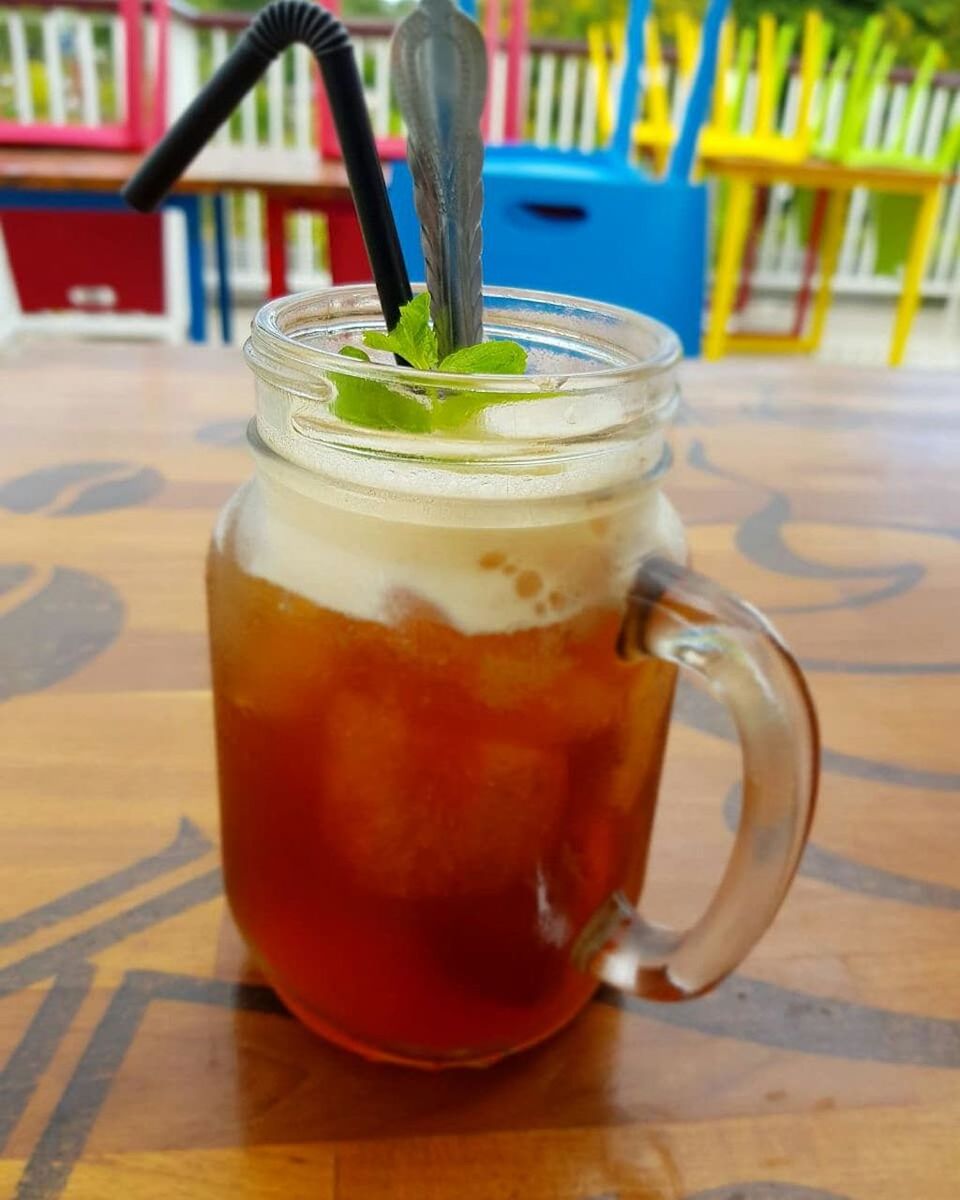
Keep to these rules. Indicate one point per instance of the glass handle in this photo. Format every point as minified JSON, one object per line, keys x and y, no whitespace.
{"x":676,"y":615}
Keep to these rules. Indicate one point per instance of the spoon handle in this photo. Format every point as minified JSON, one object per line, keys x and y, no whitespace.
{"x":440,"y":77}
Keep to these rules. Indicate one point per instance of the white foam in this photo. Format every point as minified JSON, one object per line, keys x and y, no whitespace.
{"x":488,"y":566}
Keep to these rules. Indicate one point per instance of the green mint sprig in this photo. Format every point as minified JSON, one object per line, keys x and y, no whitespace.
{"x":375,"y":405}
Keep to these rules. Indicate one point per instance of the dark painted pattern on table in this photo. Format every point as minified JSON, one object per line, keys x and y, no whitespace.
{"x":754,"y":1011}
{"x":227,"y":434}
{"x":188,"y":844}
{"x":841,"y":871}
{"x":31,"y":1057}
{"x":106,"y":486}
{"x":42,"y":964}
{"x":71,"y":618}
{"x":701,"y":712}
{"x":742,"y":1009}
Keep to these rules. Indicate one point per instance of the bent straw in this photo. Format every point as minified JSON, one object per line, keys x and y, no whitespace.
{"x":275,"y":28}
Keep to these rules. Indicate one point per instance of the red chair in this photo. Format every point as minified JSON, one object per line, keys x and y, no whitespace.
{"x":76,"y":253}
{"x":348,"y":255}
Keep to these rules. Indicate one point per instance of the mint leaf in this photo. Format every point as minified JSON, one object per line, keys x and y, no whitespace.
{"x":457,"y":408}
{"x":376,"y":405}
{"x":372,"y":404}
{"x":413,"y":337}
{"x":403,"y":412}
{"x":357,"y":400}
{"x":488,"y":358}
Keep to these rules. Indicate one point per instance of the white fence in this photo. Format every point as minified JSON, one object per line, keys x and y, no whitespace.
{"x":61,"y":66}
{"x":66,"y":64}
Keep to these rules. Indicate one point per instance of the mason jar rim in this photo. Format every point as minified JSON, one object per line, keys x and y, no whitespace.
{"x":273,"y":348}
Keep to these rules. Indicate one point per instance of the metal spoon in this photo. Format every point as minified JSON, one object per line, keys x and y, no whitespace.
{"x":440,"y":77}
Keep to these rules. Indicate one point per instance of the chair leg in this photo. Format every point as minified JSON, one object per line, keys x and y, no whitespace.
{"x":732,"y":238}
{"x":920,"y":243}
{"x":759,"y":215}
{"x":223,"y":267}
{"x":198,"y":302}
{"x":277,"y":246}
{"x":832,"y":242}
{"x":810,"y":262}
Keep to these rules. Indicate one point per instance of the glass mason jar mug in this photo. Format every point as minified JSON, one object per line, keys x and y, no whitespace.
{"x":443,"y":667}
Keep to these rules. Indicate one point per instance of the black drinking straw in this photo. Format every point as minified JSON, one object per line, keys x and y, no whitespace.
{"x":278,"y":26}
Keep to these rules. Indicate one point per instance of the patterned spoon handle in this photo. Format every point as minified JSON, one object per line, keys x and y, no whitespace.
{"x":440,"y":77}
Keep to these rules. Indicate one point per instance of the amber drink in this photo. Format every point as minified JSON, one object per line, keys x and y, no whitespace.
{"x":439,"y":744}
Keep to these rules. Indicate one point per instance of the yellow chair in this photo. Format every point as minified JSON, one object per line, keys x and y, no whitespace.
{"x":907,"y":221}
{"x":599,"y":54}
{"x":915,"y":186}
{"x":654,"y":133}
{"x":868,"y":69}
{"x":723,"y":136}
{"x":818,"y":153}
{"x":687,"y":35}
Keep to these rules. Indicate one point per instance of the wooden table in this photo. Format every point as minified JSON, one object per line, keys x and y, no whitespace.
{"x":215,"y":170}
{"x":837,"y":182}
{"x":140,"y":1057}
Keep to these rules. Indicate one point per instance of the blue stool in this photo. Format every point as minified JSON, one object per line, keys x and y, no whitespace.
{"x":585,"y":225}
{"x":12,"y":199}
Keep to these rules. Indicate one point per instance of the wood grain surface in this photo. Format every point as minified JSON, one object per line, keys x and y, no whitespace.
{"x":214,"y":170}
{"x":140,"y":1056}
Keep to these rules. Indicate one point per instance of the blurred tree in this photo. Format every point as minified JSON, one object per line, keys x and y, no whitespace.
{"x":910,"y":22}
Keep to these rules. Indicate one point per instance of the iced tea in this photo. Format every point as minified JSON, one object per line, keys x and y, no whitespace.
{"x":418,"y":821}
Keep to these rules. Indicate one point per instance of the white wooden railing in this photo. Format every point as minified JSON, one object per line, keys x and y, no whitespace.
{"x":63,"y":66}
{"x":66,"y":64}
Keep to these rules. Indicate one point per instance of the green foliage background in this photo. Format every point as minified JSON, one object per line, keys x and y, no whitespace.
{"x":910,"y":22}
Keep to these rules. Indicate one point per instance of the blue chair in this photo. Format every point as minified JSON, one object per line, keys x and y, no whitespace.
{"x":594,"y":225}
{"x":559,"y":221}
